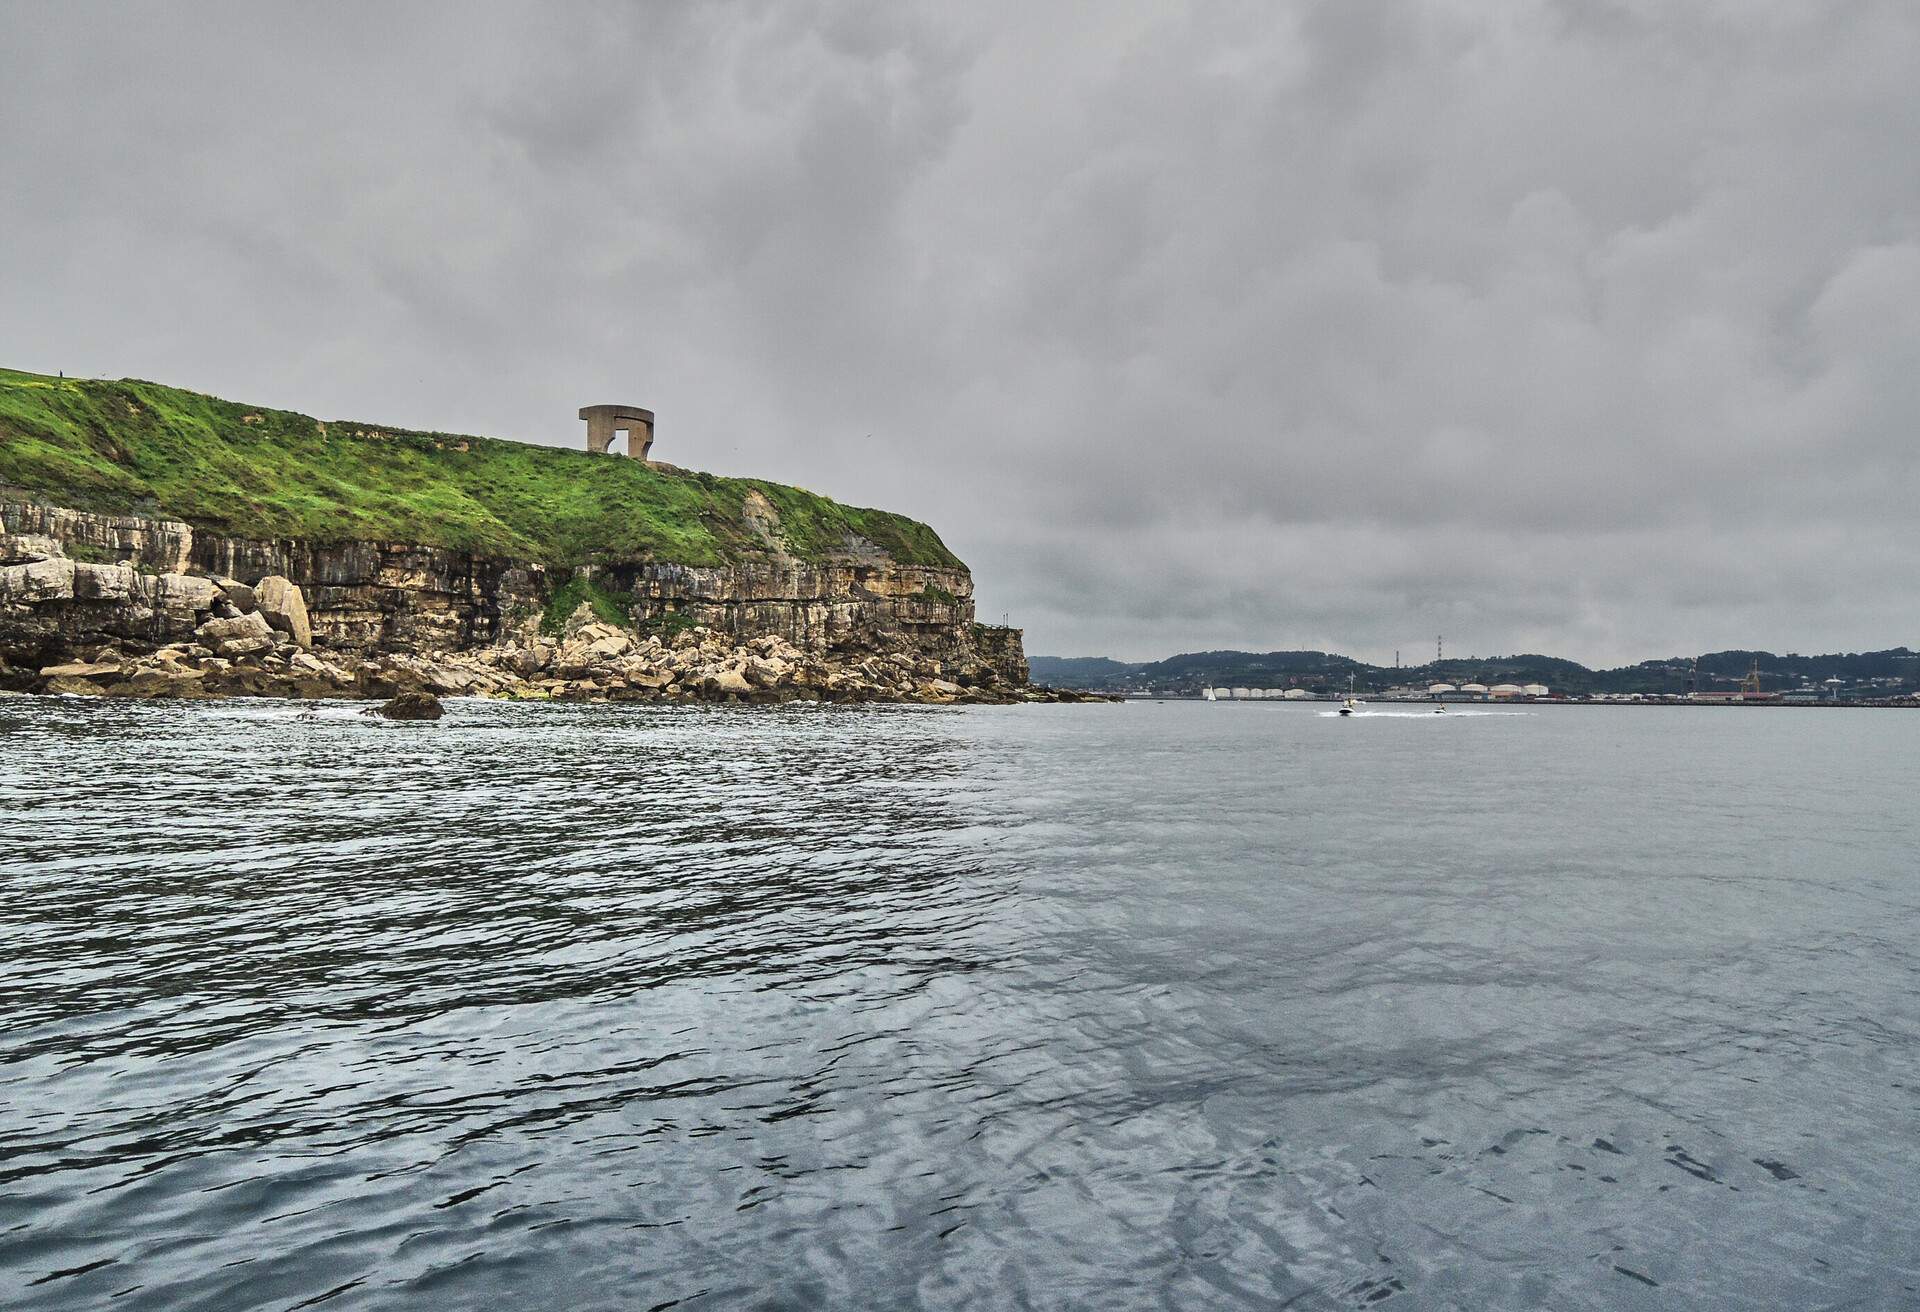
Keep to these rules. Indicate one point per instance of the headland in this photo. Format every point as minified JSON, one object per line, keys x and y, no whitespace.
{"x":156,"y":542}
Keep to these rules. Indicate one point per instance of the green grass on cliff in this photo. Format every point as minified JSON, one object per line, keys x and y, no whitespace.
{"x":133,"y":447}
{"x":608,"y":607}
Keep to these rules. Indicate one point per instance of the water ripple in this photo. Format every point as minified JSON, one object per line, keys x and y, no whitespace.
{"x":1103,"y":1007}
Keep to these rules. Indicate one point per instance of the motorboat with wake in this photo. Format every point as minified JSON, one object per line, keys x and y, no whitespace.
{"x":1350,"y":705}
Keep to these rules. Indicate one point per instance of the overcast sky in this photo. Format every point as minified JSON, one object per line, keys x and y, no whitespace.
{"x":1588,"y":328}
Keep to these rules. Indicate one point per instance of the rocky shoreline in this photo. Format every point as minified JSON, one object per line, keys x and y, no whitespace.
{"x":116,"y":631}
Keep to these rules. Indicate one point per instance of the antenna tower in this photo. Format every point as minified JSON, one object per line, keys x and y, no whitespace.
{"x":1439,"y":649}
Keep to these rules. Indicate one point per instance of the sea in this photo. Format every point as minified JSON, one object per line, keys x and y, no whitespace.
{"x":1150,"y":1005}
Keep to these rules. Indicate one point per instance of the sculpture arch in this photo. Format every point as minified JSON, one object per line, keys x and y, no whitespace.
{"x":603,"y":421}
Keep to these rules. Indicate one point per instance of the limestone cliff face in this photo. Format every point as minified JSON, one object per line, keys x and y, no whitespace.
{"x":386,"y":596}
{"x":813,"y":606}
{"x":161,"y":545}
{"x":127,"y":578}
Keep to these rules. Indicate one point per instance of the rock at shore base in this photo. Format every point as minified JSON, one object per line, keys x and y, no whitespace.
{"x":284,"y":607}
{"x":82,"y":629}
{"x":410,"y":706}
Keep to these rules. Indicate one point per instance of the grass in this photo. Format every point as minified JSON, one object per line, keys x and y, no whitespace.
{"x":608,"y":607}
{"x":667,"y":625}
{"x":132,"y":447}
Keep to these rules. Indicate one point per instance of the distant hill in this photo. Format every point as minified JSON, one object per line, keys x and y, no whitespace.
{"x":1889,"y":672}
{"x":1086,"y":672}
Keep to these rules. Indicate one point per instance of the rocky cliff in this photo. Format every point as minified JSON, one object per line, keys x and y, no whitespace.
{"x":130,"y":512}
{"x":86,"y":628}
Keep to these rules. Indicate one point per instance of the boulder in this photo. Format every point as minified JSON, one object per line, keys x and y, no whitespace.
{"x":451,"y":680}
{"x":75,"y":687}
{"x":81,"y":669}
{"x":285,"y":608}
{"x":164,"y":681}
{"x":310,"y":669}
{"x":529,"y":660}
{"x":582,"y":618}
{"x":50,"y":579}
{"x":608,"y":648}
{"x":105,"y":582}
{"x":766,"y":672}
{"x":183,"y":593}
{"x":239,"y":595}
{"x":722,"y":682}
{"x":27,"y":548}
{"x":410,"y":706}
{"x":646,"y":676}
{"x":242,"y":635}
{"x":847,"y":685}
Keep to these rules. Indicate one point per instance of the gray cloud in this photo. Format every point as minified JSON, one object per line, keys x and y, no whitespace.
{"x":1591,"y":328}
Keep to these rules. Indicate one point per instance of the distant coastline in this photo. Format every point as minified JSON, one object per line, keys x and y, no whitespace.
{"x":1735,"y":677}
{"x":1908,"y":703}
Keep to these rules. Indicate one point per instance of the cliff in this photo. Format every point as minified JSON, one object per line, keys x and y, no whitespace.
{"x":414,"y":542}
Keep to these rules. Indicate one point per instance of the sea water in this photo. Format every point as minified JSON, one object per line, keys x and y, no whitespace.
{"x":1131,"y":1006}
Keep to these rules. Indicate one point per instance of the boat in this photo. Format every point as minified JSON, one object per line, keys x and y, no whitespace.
{"x":1349,"y":706}
{"x":1209,"y":692}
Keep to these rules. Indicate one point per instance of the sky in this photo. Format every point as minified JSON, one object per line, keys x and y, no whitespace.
{"x":1585,"y":327}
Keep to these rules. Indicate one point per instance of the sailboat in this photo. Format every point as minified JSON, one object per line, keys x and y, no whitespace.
{"x":1209,"y":694}
{"x":1349,"y":706}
